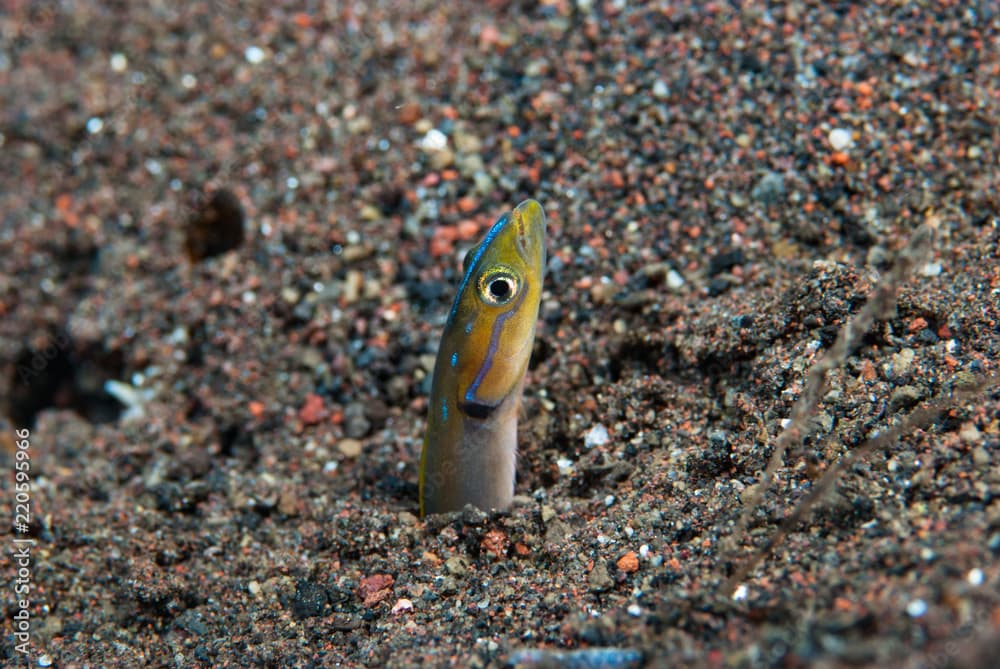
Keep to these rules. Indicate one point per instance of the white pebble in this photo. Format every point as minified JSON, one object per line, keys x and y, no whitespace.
{"x":132,"y":398}
{"x":189,"y":81}
{"x":975,"y":576}
{"x":674,"y":280}
{"x":94,"y":125}
{"x":253,"y":54}
{"x":839,"y":139}
{"x":609,"y":500}
{"x":644,"y":551}
{"x":596,"y":436}
{"x":402,"y":606}
{"x":434,"y":140}
{"x":179,"y":336}
{"x":565,"y":465}
{"x":931,"y":269}
{"x":916,"y":608}
{"x":740,"y":593}
{"x":634,"y":610}
{"x":119,"y":63}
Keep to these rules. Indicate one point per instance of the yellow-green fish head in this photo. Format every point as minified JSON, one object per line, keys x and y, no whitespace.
{"x":492,"y":323}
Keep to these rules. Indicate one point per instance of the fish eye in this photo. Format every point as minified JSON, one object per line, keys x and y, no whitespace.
{"x":498,"y":287}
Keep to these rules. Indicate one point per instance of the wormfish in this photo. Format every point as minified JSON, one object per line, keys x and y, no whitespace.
{"x":470,"y":446}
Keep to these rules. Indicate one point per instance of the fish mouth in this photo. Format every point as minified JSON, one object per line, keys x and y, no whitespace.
{"x":529,"y":218}
{"x":478,"y":410}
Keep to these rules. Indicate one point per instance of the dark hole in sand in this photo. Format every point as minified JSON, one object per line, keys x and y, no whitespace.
{"x":215,"y":227}
{"x":63,"y":375}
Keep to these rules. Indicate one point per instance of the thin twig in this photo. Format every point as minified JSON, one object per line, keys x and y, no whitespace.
{"x":881,"y":304}
{"x":916,"y":419}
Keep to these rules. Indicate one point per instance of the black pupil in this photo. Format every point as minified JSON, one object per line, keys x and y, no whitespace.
{"x":500,"y":289}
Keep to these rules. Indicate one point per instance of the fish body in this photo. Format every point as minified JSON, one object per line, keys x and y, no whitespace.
{"x":470,"y":446}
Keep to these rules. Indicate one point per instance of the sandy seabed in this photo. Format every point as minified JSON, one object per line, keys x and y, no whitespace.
{"x":251,"y":220}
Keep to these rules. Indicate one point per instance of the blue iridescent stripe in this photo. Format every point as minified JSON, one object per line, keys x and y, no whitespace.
{"x":480,"y":250}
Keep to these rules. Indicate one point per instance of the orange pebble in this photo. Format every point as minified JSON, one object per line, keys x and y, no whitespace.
{"x":489,"y":35}
{"x":313,"y":411}
{"x":441,"y":247}
{"x":495,"y":542}
{"x":840,"y":158}
{"x":843,"y":604}
{"x":468,"y":229}
{"x":446,"y":232}
{"x":629,"y":563}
